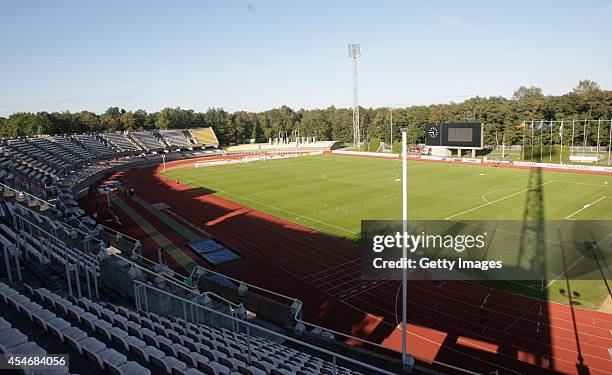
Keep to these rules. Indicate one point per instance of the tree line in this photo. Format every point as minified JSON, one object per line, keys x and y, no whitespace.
{"x":499,"y":114}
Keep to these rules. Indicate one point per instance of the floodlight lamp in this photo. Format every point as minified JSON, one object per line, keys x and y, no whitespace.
{"x":354,"y":50}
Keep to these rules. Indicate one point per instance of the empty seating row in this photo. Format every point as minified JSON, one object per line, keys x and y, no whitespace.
{"x":120,"y":141}
{"x":51,"y":251}
{"x":93,"y":144}
{"x":17,"y":163}
{"x":205,"y":347}
{"x":146,"y":140}
{"x":75,"y":148}
{"x":175,"y":138}
{"x":14,"y":342}
{"x":47,"y":144}
{"x":270,"y":356}
{"x":95,"y":350}
{"x":37,"y":153}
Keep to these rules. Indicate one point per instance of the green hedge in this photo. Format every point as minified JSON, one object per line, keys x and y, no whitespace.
{"x":365,"y":146}
{"x":397,"y":147}
{"x":374,"y":144}
{"x":546,"y":153}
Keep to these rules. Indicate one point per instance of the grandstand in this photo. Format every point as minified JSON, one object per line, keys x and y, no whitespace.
{"x":205,"y":136}
{"x":147,"y":140}
{"x":107,"y":297}
{"x":92,"y":143}
{"x":177,"y":138}
{"x":24,"y":149}
{"x":120,"y":142}
{"x":71,"y":286}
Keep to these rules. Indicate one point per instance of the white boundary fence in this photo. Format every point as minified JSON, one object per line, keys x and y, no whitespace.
{"x":590,"y":168}
{"x":364,"y":153}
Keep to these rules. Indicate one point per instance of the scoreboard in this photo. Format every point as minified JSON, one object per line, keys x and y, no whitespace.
{"x":455,"y":135}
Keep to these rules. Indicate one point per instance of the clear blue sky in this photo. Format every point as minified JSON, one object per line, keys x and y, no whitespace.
{"x":255,"y":55}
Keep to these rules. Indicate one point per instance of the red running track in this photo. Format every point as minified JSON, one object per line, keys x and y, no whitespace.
{"x":460,"y":323}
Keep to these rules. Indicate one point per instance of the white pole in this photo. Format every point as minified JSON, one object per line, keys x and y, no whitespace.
{"x":561,"y":140}
{"x":531,"y":140}
{"x":164,"y":160}
{"x":541,"y":138}
{"x":391,"y":135}
{"x":404,"y":249}
{"x":610,"y":143}
{"x":523,"y":148}
{"x":551,"y":141}
{"x":597,"y":152}
{"x":584,"y":137}
{"x":573,"y":131}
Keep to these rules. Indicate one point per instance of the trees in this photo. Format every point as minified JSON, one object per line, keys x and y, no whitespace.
{"x":111,"y":119}
{"x":500,"y":116}
{"x":586,"y":87}
{"x":527,"y":93}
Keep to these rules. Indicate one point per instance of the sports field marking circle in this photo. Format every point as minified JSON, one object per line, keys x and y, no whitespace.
{"x":376,"y":176}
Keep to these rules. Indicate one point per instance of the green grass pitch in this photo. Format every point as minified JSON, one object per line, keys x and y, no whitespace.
{"x":332,"y":194}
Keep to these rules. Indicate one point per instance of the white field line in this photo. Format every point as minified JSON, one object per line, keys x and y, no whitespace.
{"x":342,"y":179}
{"x":356,"y":260}
{"x":369,"y":287}
{"x":573,"y":264}
{"x":585,"y":207}
{"x":519,"y":317}
{"x":497,"y":200}
{"x":584,"y":183}
{"x":290,"y":213}
{"x":495,"y":191}
{"x":411,"y":333}
{"x":326,"y":180}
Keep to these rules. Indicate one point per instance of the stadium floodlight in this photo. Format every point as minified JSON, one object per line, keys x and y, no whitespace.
{"x":354,"y":51}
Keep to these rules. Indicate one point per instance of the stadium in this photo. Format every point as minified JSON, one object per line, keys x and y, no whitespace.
{"x":145,"y":258}
{"x":430,"y":238}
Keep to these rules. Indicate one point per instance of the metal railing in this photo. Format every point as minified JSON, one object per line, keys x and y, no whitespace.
{"x":31,"y":196}
{"x":296,"y":303}
{"x":179,"y":284}
{"x":346,"y":337}
{"x":195,"y":313}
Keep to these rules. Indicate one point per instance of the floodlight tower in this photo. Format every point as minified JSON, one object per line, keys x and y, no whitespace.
{"x":355,"y":52}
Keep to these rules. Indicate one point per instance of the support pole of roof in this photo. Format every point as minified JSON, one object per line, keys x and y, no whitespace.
{"x":15,"y":250}
{"x":78,"y":279}
{"x":7,"y":263}
{"x":68,"y":279}
{"x":95,"y":280}
{"x":87,"y":278}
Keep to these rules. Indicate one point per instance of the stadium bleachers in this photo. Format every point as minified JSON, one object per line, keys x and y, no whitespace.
{"x":75,"y":307}
{"x":93,"y":144}
{"x":120,"y":142}
{"x":47,"y":144}
{"x":32,"y":150}
{"x":119,"y":339}
{"x":205,"y":136}
{"x":175,"y":138}
{"x":76,"y":149}
{"x":68,"y":324}
{"x":147,"y":140}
